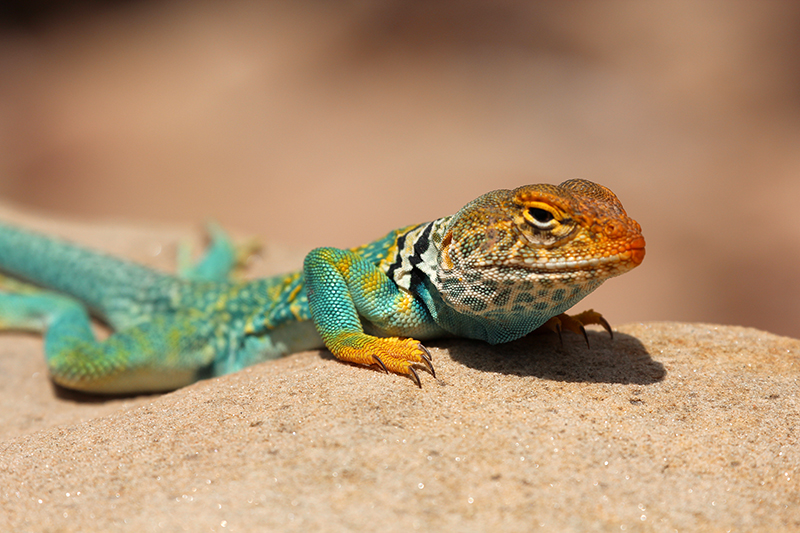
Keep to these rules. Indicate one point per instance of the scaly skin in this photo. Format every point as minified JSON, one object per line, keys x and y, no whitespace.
{"x":504,"y":265}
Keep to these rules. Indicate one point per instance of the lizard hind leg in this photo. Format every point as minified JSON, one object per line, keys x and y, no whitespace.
{"x":149,"y":358}
{"x":222,"y":260}
{"x":26,"y":307}
{"x":13,"y":285}
{"x":64,"y":322}
{"x":71,"y":350}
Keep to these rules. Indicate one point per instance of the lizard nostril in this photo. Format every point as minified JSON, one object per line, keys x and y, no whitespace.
{"x":613,"y":229}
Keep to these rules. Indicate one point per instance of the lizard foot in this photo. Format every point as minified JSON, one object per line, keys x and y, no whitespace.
{"x":223,"y":259}
{"x":391,"y":354}
{"x":245,"y":252}
{"x":577,"y":323}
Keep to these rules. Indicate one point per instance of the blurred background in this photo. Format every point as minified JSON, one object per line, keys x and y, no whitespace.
{"x":314,"y":123}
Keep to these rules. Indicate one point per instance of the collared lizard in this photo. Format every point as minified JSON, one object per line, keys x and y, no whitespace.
{"x":501,"y":267}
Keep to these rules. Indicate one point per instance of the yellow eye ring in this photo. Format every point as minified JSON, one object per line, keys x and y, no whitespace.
{"x":541,"y":216}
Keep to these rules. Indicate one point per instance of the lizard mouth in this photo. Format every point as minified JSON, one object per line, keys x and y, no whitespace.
{"x":631,"y":257}
{"x":637,"y":251}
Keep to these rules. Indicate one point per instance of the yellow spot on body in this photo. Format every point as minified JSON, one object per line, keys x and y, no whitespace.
{"x":292,"y":295}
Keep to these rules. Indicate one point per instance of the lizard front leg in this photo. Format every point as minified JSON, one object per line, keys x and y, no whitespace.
{"x":342,"y":287}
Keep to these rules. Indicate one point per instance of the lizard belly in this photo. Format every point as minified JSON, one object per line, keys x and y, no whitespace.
{"x":273,"y":343}
{"x":296,"y":337}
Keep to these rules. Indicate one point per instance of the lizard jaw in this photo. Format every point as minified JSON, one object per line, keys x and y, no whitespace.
{"x":627,"y":259}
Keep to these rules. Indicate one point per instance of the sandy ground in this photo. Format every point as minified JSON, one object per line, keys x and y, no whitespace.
{"x":667,"y":427}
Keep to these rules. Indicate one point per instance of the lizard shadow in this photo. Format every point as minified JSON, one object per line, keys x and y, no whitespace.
{"x":622,"y":359}
{"x":70,"y":395}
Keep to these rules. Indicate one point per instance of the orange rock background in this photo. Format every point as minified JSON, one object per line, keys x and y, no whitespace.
{"x":330,"y":123}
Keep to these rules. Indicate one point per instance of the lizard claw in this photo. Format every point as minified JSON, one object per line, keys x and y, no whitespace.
{"x":380,"y":363}
{"x":416,"y":377}
{"x":593,"y":317}
{"x":411,"y":369}
{"x":555,"y":324}
{"x":585,"y":336}
{"x":577,"y":323}
{"x":428,"y":358}
{"x":606,"y":326}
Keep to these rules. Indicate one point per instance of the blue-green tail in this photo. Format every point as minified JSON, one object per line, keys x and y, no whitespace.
{"x":102,"y":282}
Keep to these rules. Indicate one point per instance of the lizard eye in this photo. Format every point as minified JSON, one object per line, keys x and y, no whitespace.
{"x":540,"y":218}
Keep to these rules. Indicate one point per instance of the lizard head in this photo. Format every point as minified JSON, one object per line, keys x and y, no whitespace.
{"x":563,"y":240}
{"x":576,"y":226}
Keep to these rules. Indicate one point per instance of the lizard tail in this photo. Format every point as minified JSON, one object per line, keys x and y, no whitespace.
{"x":101,"y":281}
